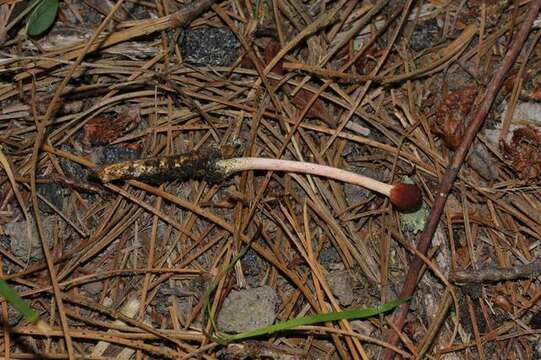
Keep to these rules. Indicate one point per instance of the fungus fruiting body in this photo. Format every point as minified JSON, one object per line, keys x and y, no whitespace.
{"x":211,"y":167}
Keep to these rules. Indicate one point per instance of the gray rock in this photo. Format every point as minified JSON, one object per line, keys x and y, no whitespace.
{"x":248,"y":309}
{"x":527,"y":111}
{"x":112,"y":154}
{"x":481,"y":161}
{"x":23,"y":244}
{"x":93,"y":288}
{"x":251,"y":263}
{"x":329,"y":255}
{"x":72,"y":169}
{"x":363,"y":327}
{"x":424,"y":35}
{"x":55,"y":194}
{"x":341,"y":285}
{"x":209,"y":46}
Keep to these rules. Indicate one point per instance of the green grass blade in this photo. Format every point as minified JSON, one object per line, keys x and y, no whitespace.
{"x":315,"y":319}
{"x":17,"y":302}
{"x":224,"y":339}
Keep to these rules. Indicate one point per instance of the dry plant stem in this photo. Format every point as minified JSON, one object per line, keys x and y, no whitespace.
{"x":44,"y":243}
{"x":530,"y":270}
{"x":343,"y":122}
{"x":101,"y":336}
{"x":253,"y":56}
{"x":506,"y":124}
{"x":341,"y":41}
{"x":52,"y":108}
{"x":435,"y":325}
{"x":475,"y":328}
{"x":454,"y":167}
{"x":448,"y":53}
{"x":177,"y":19}
{"x":41,"y":125}
{"x":318,"y":329}
{"x":230,"y":166}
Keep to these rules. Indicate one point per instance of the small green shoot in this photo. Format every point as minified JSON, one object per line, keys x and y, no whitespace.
{"x":41,"y":17}
{"x":224,"y":339}
{"x":17,"y":302}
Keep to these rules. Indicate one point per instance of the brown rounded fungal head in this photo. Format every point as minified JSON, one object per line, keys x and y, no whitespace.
{"x":406,"y":196}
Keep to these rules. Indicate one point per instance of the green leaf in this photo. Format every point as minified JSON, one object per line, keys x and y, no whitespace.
{"x":42,"y":17}
{"x":17,"y":302}
{"x":314,"y":319}
{"x":225,"y":339}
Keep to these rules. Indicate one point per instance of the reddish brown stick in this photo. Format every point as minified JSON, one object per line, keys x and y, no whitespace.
{"x":450,"y":175}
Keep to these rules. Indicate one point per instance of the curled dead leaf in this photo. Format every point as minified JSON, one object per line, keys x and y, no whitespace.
{"x":524,"y":151}
{"x":102,"y":130}
{"x":451,"y":114}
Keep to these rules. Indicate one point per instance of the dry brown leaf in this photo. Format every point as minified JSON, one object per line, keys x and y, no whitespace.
{"x":524,"y":151}
{"x":102,"y":130}
{"x":451,"y":114}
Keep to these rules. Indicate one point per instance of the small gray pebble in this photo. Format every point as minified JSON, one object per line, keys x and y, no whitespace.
{"x":112,"y":154}
{"x":93,"y":288}
{"x":481,"y":161}
{"x":329,"y":255}
{"x":424,"y":35}
{"x":21,"y":245}
{"x":248,"y":309}
{"x":208,"y":46}
{"x":341,"y":285}
{"x":54,"y":193}
{"x":250,"y":263}
{"x":70,"y":168}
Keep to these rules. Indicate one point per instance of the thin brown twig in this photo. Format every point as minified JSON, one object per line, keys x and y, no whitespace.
{"x":364,"y":91}
{"x":41,"y":126}
{"x":475,"y":328}
{"x":452,"y":171}
{"x":41,"y":232}
{"x":179,"y":18}
{"x":495,"y":274}
{"x":437,"y":321}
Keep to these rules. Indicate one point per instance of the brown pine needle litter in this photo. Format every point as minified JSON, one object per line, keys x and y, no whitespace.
{"x":359,"y":155}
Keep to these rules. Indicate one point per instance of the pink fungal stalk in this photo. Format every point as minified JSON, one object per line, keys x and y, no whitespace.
{"x":403,"y":196}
